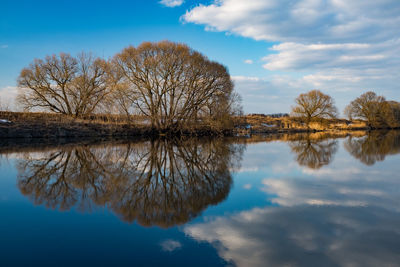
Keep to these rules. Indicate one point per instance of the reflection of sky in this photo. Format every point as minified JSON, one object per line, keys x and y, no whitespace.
{"x":277,"y":213}
{"x":344,"y":213}
{"x":33,"y":235}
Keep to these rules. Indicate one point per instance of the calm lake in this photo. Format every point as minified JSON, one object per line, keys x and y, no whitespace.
{"x":289,"y":200}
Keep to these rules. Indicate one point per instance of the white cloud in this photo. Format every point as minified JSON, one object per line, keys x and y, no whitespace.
{"x":172,"y":3}
{"x":261,"y":95}
{"x":248,"y":61}
{"x":341,"y":47}
{"x":334,"y":21}
{"x":170,"y":245}
{"x":7,"y":97}
{"x":245,"y":78}
{"x":349,"y":56}
{"x":4,"y":46}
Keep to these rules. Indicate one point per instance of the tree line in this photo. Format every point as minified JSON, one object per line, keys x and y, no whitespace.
{"x":375,"y":110}
{"x":168,"y":83}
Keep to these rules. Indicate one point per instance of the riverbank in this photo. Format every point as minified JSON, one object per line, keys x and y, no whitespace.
{"x":50,"y":126}
{"x":53,"y":126}
{"x":261,"y":124}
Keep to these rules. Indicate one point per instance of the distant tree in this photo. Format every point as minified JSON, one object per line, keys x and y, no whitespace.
{"x":367,"y":107}
{"x":314,"y":105}
{"x":173,"y":85}
{"x":64,"y":84}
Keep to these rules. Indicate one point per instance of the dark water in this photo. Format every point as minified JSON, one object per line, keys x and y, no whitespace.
{"x":292,"y":200}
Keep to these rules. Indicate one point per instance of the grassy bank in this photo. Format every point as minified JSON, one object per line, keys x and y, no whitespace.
{"x":47,"y":125}
{"x":261,"y":124}
{"x":50,"y":126}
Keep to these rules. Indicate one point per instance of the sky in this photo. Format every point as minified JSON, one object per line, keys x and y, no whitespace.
{"x":274,"y":49}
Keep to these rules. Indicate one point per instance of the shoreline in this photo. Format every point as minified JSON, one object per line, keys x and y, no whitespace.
{"x":15,"y":125}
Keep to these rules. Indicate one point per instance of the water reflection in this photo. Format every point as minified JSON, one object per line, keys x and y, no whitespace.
{"x":156,"y":183}
{"x":314,"y":152}
{"x":333,"y":212}
{"x":374,"y":147}
{"x":344,"y":214}
{"x":304,"y":236}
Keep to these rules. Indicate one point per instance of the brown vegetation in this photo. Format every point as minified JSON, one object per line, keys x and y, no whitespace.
{"x":165,"y":88}
{"x":50,"y":125}
{"x":173,"y":86}
{"x":314,"y":105}
{"x":65,"y":84}
{"x":375,"y":110}
{"x":159,"y":182}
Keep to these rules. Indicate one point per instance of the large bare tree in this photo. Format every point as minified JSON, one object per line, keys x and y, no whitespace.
{"x":173,"y":85}
{"x":367,"y":107}
{"x":314,"y":104}
{"x":64,"y":84}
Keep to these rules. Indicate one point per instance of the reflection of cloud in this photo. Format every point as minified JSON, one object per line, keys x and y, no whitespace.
{"x":305,"y":236}
{"x":345,"y":186}
{"x":345,"y":173}
{"x":170,"y":245}
{"x":243,"y":169}
{"x":247,"y":186}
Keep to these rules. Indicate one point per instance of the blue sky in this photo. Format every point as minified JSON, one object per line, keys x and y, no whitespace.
{"x":274,"y":49}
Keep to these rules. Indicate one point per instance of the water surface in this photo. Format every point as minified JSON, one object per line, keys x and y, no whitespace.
{"x":296,"y":200}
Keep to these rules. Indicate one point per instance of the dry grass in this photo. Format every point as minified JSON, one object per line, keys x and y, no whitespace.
{"x":260,"y":124}
{"x":41,"y":117}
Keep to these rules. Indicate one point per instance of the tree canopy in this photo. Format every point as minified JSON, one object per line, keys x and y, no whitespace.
{"x":375,"y":110}
{"x":314,"y":104}
{"x":64,"y":84}
{"x":172,"y":84}
{"x":169,"y":83}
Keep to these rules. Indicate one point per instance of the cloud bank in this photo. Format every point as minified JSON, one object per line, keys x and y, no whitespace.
{"x":304,"y":236}
{"x":335,"y":45}
{"x":304,"y":21}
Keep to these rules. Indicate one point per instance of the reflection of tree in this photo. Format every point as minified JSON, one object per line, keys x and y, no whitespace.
{"x":156,"y":183}
{"x":314,"y":153}
{"x":374,"y":146}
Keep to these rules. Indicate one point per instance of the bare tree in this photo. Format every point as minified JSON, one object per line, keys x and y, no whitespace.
{"x":367,"y":107}
{"x":314,"y":104}
{"x":173,"y":85}
{"x":162,"y":182}
{"x":391,"y":113}
{"x":314,"y":153}
{"x":374,"y":146}
{"x":64,"y":84}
